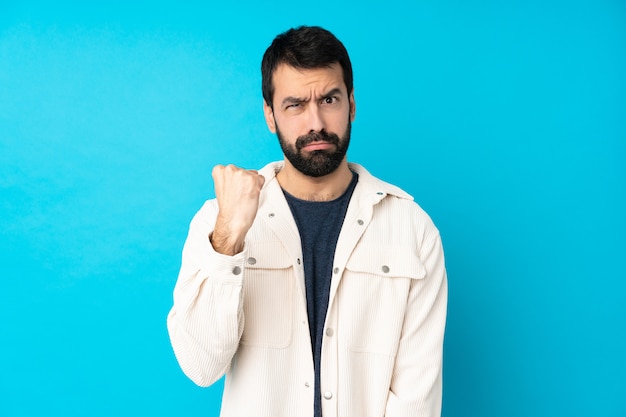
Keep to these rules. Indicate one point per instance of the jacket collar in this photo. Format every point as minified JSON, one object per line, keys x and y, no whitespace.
{"x":367,"y":182}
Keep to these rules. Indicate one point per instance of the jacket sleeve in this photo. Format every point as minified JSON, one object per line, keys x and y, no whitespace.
{"x":416,"y":385}
{"x":206,"y":320}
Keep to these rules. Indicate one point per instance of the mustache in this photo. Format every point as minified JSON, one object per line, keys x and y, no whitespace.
{"x":321,"y":136}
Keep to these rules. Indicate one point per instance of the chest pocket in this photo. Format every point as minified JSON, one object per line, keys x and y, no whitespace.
{"x":268,"y":295}
{"x":376,"y":284}
{"x":389,"y":261}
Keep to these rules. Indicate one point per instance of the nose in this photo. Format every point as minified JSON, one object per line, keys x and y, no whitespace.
{"x":315,"y":119}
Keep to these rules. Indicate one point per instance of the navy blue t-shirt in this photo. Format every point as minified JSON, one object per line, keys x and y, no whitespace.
{"x":319,"y":224}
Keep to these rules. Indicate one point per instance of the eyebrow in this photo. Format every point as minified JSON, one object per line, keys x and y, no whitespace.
{"x":294,"y":100}
{"x":335,"y":91}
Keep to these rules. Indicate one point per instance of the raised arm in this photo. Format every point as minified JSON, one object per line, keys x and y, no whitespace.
{"x":206,"y":320}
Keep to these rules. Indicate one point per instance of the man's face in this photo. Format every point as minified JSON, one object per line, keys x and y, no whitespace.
{"x":312,"y":114}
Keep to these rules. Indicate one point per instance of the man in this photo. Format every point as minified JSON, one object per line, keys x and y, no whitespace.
{"x":315,"y":287}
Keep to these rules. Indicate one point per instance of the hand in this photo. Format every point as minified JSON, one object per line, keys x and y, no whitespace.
{"x":237,"y":191}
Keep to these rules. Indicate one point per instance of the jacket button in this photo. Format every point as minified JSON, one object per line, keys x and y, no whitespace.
{"x":251,"y":260}
{"x":236,"y":270}
{"x":298,"y":261}
{"x":336,"y":270}
{"x":360,"y":222}
{"x":385,"y":269}
{"x":328,"y":395}
{"x":329,"y":332}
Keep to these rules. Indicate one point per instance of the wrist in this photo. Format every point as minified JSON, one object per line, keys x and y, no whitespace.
{"x":226,"y":243}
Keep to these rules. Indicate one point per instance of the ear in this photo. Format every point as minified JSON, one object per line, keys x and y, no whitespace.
{"x":352,"y":106}
{"x":269,"y":117}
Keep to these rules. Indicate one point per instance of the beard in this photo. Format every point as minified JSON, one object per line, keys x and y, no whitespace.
{"x":319,"y":162}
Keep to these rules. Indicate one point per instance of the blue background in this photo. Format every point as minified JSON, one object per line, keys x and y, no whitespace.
{"x":506,"y":121}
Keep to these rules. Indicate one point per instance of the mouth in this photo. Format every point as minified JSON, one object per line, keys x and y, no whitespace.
{"x":317,"y":146}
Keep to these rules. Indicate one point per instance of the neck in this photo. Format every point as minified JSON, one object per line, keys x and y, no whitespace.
{"x":326,"y":188}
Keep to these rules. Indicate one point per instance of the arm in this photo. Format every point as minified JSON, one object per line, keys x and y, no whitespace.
{"x":206,"y":321}
{"x":416,"y":385}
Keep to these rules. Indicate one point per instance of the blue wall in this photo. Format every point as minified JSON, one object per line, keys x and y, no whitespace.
{"x":506,"y":121}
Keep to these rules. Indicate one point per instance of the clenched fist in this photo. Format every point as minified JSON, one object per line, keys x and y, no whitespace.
{"x":237,"y":191}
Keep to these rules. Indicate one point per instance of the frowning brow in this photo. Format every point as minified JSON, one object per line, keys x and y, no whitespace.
{"x":295,"y":100}
{"x":332,"y":93}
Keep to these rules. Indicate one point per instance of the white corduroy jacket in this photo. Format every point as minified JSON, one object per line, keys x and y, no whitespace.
{"x":245,"y":315}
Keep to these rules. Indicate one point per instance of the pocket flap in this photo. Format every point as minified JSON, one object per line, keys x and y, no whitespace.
{"x":267,"y":255}
{"x":398,"y":261}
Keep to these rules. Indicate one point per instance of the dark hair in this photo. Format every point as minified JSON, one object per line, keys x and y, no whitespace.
{"x":305,"y":47}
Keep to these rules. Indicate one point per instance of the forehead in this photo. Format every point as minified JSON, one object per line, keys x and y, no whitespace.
{"x":291,"y":81}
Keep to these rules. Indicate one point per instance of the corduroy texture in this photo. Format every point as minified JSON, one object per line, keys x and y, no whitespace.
{"x":246,"y":315}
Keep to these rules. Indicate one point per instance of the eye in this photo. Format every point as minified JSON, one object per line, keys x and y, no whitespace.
{"x":293,"y":105}
{"x":329,"y":100}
